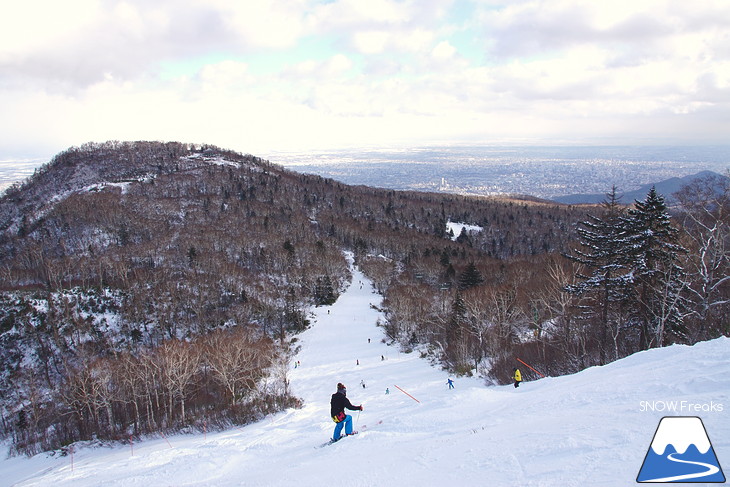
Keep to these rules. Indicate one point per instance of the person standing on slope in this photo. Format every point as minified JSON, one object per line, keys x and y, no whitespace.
{"x":338,"y":403}
{"x":517,"y":376}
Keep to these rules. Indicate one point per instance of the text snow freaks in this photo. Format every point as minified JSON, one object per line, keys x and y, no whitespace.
{"x":680,"y":407}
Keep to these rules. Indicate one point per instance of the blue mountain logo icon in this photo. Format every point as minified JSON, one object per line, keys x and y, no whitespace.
{"x":681,"y":452}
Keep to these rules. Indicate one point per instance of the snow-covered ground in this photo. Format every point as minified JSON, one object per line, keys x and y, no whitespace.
{"x":457,"y":227}
{"x":592,"y":428}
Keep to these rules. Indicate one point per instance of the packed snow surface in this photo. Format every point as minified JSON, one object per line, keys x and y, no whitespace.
{"x":591,"y":428}
{"x":457,"y":227}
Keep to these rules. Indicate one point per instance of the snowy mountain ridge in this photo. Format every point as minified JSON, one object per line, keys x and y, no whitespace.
{"x":583,"y":429}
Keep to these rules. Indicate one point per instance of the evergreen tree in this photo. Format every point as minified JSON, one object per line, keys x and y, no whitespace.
{"x":464,"y":237}
{"x":324,"y":291}
{"x":456,"y":334}
{"x":470,"y":277}
{"x":652,"y":252}
{"x":604,"y":285}
{"x":458,"y":312}
{"x":449,"y":275}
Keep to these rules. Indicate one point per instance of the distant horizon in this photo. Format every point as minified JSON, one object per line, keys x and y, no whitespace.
{"x":46,"y":156}
{"x":466,"y":168}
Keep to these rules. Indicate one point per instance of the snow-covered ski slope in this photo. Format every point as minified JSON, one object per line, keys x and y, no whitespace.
{"x":588,"y":429}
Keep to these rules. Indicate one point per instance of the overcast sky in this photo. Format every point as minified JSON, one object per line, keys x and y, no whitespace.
{"x":264,"y":75}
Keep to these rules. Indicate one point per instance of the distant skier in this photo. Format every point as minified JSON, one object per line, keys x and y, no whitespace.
{"x":517,"y":376}
{"x":450,"y":383}
{"x":338,"y":404}
{"x":362,"y":383}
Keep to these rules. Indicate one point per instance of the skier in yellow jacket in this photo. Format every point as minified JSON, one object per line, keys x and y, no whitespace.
{"x":517,"y":376}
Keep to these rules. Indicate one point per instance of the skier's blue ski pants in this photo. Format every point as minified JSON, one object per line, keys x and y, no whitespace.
{"x":347,"y":423}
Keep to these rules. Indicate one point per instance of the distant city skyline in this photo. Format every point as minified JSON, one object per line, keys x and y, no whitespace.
{"x":545,"y":172}
{"x":542,"y":171}
{"x":265,"y":75}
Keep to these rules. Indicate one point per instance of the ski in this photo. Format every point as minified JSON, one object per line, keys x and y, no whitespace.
{"x":332,"y":441}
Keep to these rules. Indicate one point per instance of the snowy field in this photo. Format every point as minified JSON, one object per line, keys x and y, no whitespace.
{"x":456,"y":228}
{"x":588,"y":429}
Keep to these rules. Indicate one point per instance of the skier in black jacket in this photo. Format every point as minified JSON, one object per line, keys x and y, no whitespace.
{"x":338,"y":404}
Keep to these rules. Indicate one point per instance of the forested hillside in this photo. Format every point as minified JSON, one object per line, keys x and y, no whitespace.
{"x":154,"y":286}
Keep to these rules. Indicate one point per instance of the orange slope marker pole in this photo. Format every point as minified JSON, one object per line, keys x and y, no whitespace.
{"x":404,"y":392}
{"x":528,"y":367}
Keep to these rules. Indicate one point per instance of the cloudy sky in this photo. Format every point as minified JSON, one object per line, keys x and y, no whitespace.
{"x":265,"y":75}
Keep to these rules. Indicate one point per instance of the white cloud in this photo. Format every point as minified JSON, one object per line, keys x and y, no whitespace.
{"x":348,"y":14}
{"x":443,"y":50}
{"x":384,"y":71}
{"x":371,"y":42}
{"x":338,"y":65}
{"x":415,"y":40}
{"x":331,"y":70}
{"x":225,"y":77}
{"x":533,"y":27}
{"x":33,"y":24}
{"x":263,"y":23}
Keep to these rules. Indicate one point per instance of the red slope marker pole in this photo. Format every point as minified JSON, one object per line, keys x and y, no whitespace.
{"x":528,"y":367}
{"x":404,"y":392}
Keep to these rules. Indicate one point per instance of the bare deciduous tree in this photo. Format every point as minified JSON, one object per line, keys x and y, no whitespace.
{"x":178,"y":362}
{"x":706,"y":214}
{"x":237,"y":360}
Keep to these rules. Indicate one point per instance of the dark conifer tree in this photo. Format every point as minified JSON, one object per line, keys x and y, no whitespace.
{"x":470,"y":277}
{"x":456,"y":332}
{"x":653,"y":253}
{"x":604,"y":285}
{"x":324,"y":292}
{"x":449,"y":275}
{"x":464,"y":237}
